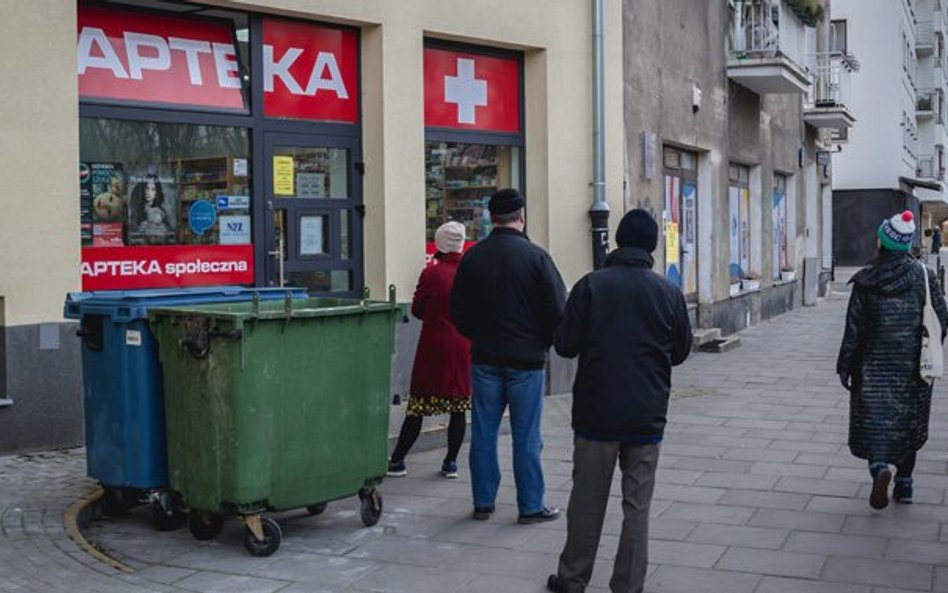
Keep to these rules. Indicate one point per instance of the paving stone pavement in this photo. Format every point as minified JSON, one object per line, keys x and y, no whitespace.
{"x":756,"y":493}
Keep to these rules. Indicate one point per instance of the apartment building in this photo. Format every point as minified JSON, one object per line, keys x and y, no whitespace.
{"x":729,"y":109}
{"x":897,"y":160}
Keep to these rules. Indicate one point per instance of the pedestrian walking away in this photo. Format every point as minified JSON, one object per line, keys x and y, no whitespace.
{"x":629,"y":326}
{"x":508,"y":298}
{"x":936,"y":240}
{"x":879,"y":360}
{"x":441,"y":374}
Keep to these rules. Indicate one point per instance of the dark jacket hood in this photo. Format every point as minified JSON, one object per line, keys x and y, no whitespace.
{"x":630,"y":256}
{"x":890,"y":273}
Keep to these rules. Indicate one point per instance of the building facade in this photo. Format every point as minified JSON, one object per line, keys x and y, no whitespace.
{"x":319,"y":143}
{"x":898,"y":162}
{"x":726,"y":127}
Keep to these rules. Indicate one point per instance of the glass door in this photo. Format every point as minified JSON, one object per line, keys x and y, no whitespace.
{"x":313,"y":189}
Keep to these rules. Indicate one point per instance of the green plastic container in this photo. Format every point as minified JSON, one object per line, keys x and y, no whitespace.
{"x":276,"y":405}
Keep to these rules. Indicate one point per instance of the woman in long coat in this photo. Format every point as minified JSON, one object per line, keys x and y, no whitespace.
{"x":879,"y":360}
{"x":441,"y":375}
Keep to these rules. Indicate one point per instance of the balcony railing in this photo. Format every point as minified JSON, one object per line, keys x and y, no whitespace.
{"x":831,"y":78}
{"x":928,"y":168}
{"x":761,"y":29}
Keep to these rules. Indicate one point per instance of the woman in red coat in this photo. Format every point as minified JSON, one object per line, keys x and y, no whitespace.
{"x":441,"y":375}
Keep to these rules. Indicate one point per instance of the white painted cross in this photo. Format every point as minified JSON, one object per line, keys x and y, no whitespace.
{"x":466,"y":91}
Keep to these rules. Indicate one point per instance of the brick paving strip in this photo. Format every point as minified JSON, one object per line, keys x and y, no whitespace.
{"x":757,"y":493}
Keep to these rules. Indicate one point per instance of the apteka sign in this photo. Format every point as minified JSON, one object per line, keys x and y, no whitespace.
{"x":166,"y":266}
{"x":309,"y":71}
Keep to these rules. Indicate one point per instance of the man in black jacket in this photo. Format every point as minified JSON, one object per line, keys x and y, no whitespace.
{"x":508,"y":298}
{"x":629,"y":326}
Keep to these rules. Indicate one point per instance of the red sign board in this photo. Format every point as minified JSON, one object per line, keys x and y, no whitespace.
{"x":471,"y":91}
{"x":157,"y":58}
{"x":310,"y":71}
{"x":166,"y":266}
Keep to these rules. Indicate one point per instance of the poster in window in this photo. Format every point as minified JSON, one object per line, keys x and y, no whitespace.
{"x":283,"y":176}
{"x":107,"y":234}
{"x":152,"y":219}
{"x":734,"y":234}
{"x":312,"y":235}
{"x":311,"y":186}
{"x":235,"y":229}
{"x":109,"y":189}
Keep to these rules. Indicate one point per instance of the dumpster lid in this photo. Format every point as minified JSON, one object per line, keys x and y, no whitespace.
{"x":275,"y":309}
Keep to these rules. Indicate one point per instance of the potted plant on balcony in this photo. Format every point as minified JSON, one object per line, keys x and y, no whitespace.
{"x":787,"y":274}
{"x":810,"y":12}
{"x":750,"y":282}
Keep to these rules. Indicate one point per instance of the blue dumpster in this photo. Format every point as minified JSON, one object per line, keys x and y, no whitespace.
{"x":123,"y":388}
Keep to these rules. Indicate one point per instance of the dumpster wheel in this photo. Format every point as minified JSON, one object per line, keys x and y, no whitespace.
{"x":371,"y":506}
{"x":267,"y":539}
{"x":316,"y":509}
{"x":205,"y":526}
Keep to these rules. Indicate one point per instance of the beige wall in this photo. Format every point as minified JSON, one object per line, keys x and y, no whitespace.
{"x":39,"y":150}
{"x":39,"y":235}
{"x":557,"y":42}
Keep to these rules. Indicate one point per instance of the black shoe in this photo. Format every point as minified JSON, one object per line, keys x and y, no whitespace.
{"x":879,"y":497}
{"x":553,"y":584}
{"x":902,"y":493}
{"x":542,"y":516}
{"x":483,"y":513}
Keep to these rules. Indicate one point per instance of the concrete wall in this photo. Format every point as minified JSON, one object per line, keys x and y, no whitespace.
{"x":857,"y":214}
{"x":39,"y":233}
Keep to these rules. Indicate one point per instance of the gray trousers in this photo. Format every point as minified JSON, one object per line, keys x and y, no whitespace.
{"x":593,"y":467}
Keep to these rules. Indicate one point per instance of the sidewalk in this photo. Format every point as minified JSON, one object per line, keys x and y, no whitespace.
{"x":757,"y":493}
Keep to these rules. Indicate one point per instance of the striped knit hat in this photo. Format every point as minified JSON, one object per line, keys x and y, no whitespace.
{"x":896,"y":233}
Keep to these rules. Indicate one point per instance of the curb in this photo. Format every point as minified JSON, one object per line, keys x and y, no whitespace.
{"x":79,"y":514}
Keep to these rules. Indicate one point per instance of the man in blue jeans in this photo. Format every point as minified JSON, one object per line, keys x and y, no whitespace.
{"x":508,"y":298}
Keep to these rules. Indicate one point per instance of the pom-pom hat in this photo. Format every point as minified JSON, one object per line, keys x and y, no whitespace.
{"x":896,"y":233}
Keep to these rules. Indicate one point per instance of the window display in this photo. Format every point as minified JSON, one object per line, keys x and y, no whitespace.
{"x":141,"y":183}
{"x":459,"y":179}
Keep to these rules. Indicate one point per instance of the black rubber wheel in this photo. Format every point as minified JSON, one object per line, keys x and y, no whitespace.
{"x":316,"y":509}
{"x":371,"y":507}
{"x":205,"y":526}
{"x":163,"y":519}
{"x":272,"y":536}
{"x":115,"y":502}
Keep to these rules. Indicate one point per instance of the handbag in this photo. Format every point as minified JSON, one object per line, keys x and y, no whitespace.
{"x":931,"y":361}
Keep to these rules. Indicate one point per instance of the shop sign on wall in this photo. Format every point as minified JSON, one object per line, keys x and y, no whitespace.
{"x":471,"y":91}
{"x":157,"y":58}
{"x":310,"y":71}
{"x":166,"y":266}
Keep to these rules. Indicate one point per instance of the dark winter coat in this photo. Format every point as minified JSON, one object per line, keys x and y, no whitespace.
{"x":629,"y":326}
{"x":508,"y":298}
{"x":889,"y":404}
{"x":443,"y":359}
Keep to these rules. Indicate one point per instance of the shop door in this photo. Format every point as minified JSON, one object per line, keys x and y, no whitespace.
{"x":313,"y":188}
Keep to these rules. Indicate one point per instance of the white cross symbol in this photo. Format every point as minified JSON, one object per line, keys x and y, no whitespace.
{"x":466,"y":91}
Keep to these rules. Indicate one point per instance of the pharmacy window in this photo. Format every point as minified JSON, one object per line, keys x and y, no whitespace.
{"x":474,"y":141}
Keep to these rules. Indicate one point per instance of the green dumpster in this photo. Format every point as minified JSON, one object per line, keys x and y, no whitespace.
{"x":276,"y":405}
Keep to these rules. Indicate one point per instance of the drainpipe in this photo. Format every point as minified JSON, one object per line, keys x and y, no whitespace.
{"x":599,"y":211}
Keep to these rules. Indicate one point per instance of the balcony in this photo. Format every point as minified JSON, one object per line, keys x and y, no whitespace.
{"x":928,"y":168}
{"x":767,"y":48}
{"x":826,"y":103}
{"x":925,"y":38}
